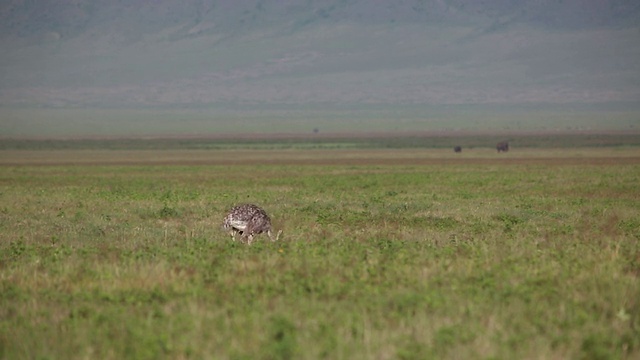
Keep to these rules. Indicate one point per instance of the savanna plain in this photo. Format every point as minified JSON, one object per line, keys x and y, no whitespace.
{"x":386,"y":253}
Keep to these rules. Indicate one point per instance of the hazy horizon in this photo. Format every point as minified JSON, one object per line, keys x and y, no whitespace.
{"x":246,"y":66}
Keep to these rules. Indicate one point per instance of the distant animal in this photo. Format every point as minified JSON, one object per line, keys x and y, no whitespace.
{"x":502,"y":146}
{"x":248,"y":220}
{"x":457,"y":149}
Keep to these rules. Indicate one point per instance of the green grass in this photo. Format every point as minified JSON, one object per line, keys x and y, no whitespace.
{"x":496,"y":260}
{"x":335,"y":141}
{"x":214,"y":121}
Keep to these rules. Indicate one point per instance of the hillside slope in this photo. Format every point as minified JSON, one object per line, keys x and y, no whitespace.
{"x":327,"y":54}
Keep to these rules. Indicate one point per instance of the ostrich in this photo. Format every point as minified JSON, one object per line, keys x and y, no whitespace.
{"x":248,"y":220}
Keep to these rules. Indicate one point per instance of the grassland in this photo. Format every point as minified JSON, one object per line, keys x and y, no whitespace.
{"x":341,"y":140}
{"x":386,"y":254}
{"x":550,"y":119}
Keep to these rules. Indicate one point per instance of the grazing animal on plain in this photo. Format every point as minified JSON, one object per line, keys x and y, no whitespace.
{"x":502,"y":146}
{"x":457,"y":149}
{"x":248,"y":220}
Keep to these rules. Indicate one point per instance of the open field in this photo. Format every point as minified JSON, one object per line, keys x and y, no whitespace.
{"x":342,"y":140}
{"x":401,"y":253}
{"x":213,"y":122}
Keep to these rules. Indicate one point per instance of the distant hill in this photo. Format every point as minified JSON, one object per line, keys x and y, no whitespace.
{"x":317,"y":54}
{"x":23,"y":18}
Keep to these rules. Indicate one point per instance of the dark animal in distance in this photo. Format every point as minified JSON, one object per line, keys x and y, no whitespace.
{"x":457,"y":149}
{"x":502,"y":146}
{"x":248,"y":220}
